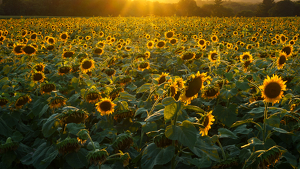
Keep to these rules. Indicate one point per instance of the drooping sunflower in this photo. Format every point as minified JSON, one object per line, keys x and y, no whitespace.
{"x":150,"y":44}
{"x":194,"y":85}
{"x":64,"y":70}
{"x":38,"y":77}
{"x":207,"y":121}
{"x":211,"y":92}
{"x":187,"y":56}
{"x":246,"y":56}
{"x":39,"y":67}
{"x":123,"y":81}
{"x":87,"y":65}
{"x":22,"y":100}
{"x":110,"y":72}
{"x":281,"y":60}
{"x":93,"y":96}
{"x":160,"y":44}
{"x":47,"y":88}
{"x":105,"y":106}
{"x":272,"y":89}
{"x":144,"y":65}
{"x":68,"y":54}
{"x":213,"y":56}
{"x":162,"y":78}
{"x":18,"y":49}
{"x":3,"y":101}
{"x":57,"y":101}
{"x":288,"y":50}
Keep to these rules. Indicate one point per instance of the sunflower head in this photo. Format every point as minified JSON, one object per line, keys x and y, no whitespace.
{"x":161,"y":44}
{"x":72,"y":116}
{"x":150,"y":44}
{"x":3,"y":101}
{"x":288,"y":50}
{"x":110,"y":72}
{"x":47,"y":88}
{"x":194,"y":85}
{"x":214,"y":38}
{"x":38,"y":77}
{"x":281,"y":60}
{"x":119,"y":115}
{"x":144,"y":65}
{"x":173,"y":41}
{"x":64,"y":70}
{"x":87,"y":65}
{"x":105,"y":106}
{"x":68,"y":145}
{"x":211,"y":92}
{"x":162,"y":78}
{"x":125,"y":80}
{"x":93,"y":96}
{"x":98,"y":51}
{"x":123,"y":142}
{"x":246,"y":56}
{"x":9,"y":145}
{"x":68,"y":54}
{"x":57,"y":101}
{"x":39,"y":67}
{"x":169,"y":34}
{"x":187,"y":56}
{"x":207,"y":121}
{"x":22,"y":100}
{"x":18,"y":49}
{"x":50,"y":40}
{"x":213,"y":56}
{"x":64,"y":36}
{"x":283,"y":38}
{"x":97,"y":157}
{"x":272,"y":89}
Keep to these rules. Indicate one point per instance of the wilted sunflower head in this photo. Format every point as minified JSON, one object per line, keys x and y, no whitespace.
{"x":38,"y":77}
{"x":193,"y":86}
{"x":288,"y":50}
{"x":144,"y":65}
{"x":22,"y":100}
{"x":110,"y":72}
{"x":281,"y":60}
{"x":57,"y":101}
{"x":105,"y":106}
{"x":213,"y":56}
{"x":93,"y":96}
{"x":272,"y":89}
{"x":87,"y":65}
{"x":187,"y":56}
{"x":3,"y":101}
{"x":64,"y":70}
{"x":68,"y":54}
{"x":97,"y":157}
{"x":47,"y":88}
{"x":211,"y":92}
{"x":207,"y":120}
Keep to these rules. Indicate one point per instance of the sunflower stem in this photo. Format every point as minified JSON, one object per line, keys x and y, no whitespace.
{"x":173,"y":162}
{"x":91,"y":141}
{"x":223,"y":152}
{"x":265,"y":118}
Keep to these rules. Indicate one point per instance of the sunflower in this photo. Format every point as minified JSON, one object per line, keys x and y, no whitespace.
{"x":110,"y":72}
{"x":128,"y":48}
{"x":125,"y":80}
{"x":93,"y":97}
{"x":213,"y":56}
{"x":68,"y":54}
{"x":173,"y":89}
{"x":173,"y":41}
{"x":211,"y":92}
{"x":50,"y":40}
{"x":246,"y":64}
{"x":87,"y":65}
{"x":194,"y":85}
{"x":147,"y":55}
{"x":214,"y":38}
{"x":33,"y":36}
{"x":47,"y":88}
{"x":282,"y":38}
{"x":281,"y":60}
{"x":169,"y":34}
{"x":39,"y":67}
{"x":18,"y":49}
{"x":100,"y":44}
{"x":105,"y":106}
{"x":288,"y":50}
{"x":50,"y":47}
{"x":201,"y":42}
{"x":98,"y":51}
{"x":180,"y":82}
{"x":64,"y":70}
{"x":162,"y":78}
{"x":246,"y":56}
{"x":207,"y":122}
{"x":64,"y":36}
{"x":56,"y":102}
{"x":249,"y":46}
{"x":186,"y":56}
{"x":22,"y":100}
{"x":144,"y":65}
{"x":150,"y":44}
{"x":272,"y":89}
{"x":292,"y":42}
{"x":3,"y":101}
{"x":160,"y":44}
{"x":38,"y":77}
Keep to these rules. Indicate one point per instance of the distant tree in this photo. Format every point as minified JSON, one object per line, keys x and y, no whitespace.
{"x":263,"y":9}
{"x":283,"y":8}
{"x":218,"y":2}
{"x":187,"y":7}
{"x":246,"y":13}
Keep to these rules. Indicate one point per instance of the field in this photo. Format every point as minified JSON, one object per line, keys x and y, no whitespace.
{"x":149,"y":92}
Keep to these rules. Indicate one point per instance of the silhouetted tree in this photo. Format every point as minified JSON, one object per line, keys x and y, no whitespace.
{"x":283,"y":8}
{"x":263,"y":9}
{"x":187,"y":7}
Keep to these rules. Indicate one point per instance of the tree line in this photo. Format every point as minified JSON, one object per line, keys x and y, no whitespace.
{"x":220,"y":8}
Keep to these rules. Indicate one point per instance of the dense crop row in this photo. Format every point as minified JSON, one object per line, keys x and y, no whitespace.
{"x":149,"y":92}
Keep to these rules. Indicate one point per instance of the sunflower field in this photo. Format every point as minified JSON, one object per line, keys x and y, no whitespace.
{"x":149,"y":92}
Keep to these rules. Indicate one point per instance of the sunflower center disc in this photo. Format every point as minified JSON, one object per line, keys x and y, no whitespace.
{"x":246,"y":57}
{"x":211,"y":92}
{"x":105,"y":106}
{"x":194,"y":87}
{"x":282,"y":60}
{"x":87,"y":64}
{"x":214,"y":56}
{"x":287,"y":50}
{"x":272,"y":90}
{"x":206,"y":121}
{"x":162,"y":79}
{"x":38,"y":77}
